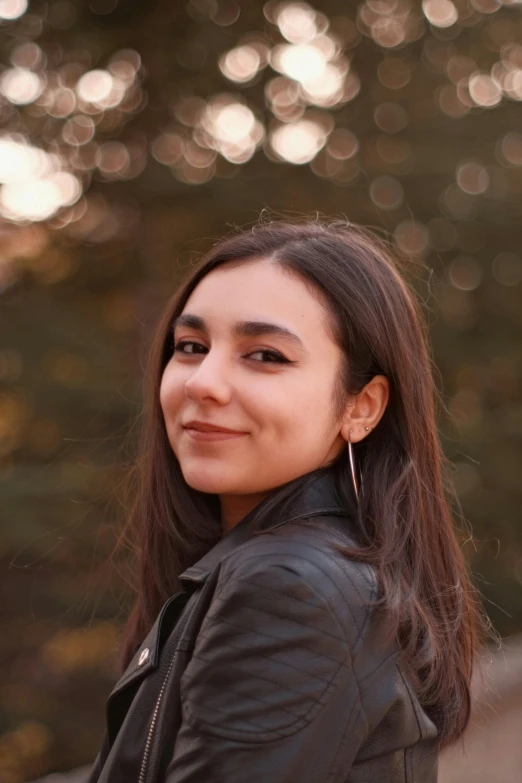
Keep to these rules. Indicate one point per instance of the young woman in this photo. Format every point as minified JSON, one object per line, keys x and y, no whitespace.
{"x":303,"y":611}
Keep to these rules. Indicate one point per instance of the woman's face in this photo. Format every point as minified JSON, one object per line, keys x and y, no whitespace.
{"x":252,"y":353}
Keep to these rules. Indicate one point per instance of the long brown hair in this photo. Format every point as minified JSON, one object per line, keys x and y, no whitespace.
{"x":405,"y":516}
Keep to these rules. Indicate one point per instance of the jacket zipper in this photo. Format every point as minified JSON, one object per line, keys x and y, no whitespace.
{"x":152,"y":728}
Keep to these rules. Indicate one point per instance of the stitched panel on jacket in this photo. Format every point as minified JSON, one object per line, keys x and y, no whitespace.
{"x":267,"y":654}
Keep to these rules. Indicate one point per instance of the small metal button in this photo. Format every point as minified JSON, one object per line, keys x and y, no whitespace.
{"x":144,"y":656}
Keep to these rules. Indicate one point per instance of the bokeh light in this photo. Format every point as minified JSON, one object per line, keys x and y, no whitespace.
{"x":298,"y":142}
{"x":511,"y":148}
{"x":440,"y":13}
{"x":390,"y":117}
{"x":33,"y":185}
{"x":27,"y":55}
{"x":313,"y":58}
{"x":389,"y":23}
{"x":342,"y":144}
{"x":395,"y":72}
{"x":507,"y":268}
{"x":95,"y":86}
{"x":78,"y":130}
{"x":240,"y":64}
{"x":450,"y":103}
{"x":101,"y":88}
{"x":20,"y":85}
{"x":113,"y":159}
{"x":167,"y":148}
{"x":231,"y":128}
{"x":486,"y":6}
{"x":394,"y":151}
{"x":412,"y":237}
{"x":12,"y":9}
{"x":125,"y":65}
{"x":465,"y":273}
{"x":314,"y":71}
{"x":284,"y":99}
{"x":484,"y":90}
{"x":38,"y":199}
{"x":21,"y":161}
{"x":299,"y":22}
{"x":60,"y":102}
{"x":40,"y":179}
{"x":472,"y":177}
{"x":386,"y":192}
{"x":302,"y":62}
{"x":325,"y":79}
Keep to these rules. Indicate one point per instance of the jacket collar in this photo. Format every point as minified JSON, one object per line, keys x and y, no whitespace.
{"x":314,"y":494}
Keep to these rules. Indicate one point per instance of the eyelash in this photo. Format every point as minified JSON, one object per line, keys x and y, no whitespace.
{"x":277,"y":358}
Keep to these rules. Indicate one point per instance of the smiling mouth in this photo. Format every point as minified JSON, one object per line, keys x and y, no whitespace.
{"x":212,"y":435}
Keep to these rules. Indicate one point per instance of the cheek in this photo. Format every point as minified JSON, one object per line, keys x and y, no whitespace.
{"x":300,"y":410}
{"x":316,"y":412}
{"x":171,"y":392}
{"x":275,"y":403}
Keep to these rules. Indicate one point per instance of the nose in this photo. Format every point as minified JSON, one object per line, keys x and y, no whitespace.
{"x":210,"y":380}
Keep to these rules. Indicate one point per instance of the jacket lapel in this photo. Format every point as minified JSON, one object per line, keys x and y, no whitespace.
{"x":146,"y":657}
{"x":144,"y":662}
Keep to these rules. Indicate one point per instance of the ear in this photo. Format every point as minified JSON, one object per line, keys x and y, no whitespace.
{"x":364,"y":412}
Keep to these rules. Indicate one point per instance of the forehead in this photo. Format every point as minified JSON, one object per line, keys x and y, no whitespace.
{"x":258,"y":290}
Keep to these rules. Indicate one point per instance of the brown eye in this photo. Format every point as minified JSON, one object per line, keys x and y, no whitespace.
{"x":271,"y":357}
{"x":179,"y":347}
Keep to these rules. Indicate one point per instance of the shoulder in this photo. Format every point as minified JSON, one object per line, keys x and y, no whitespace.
{"x":302,"y":560}
{"x":290,"y":625}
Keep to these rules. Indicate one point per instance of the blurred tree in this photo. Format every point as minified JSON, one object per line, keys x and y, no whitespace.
{"x":132,"y":135}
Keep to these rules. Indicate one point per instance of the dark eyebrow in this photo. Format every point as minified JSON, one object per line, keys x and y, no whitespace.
{"x":241,"y":328}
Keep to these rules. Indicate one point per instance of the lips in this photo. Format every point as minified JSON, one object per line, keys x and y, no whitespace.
{"x":202,"y":426}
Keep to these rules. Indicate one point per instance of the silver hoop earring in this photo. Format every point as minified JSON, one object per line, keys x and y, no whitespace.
{"x":352,"y":467}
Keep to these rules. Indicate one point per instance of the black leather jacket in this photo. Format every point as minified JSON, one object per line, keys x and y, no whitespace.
{"x":270,"y":667}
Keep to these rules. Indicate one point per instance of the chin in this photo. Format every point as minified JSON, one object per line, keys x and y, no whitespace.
{"x":213,"y":482}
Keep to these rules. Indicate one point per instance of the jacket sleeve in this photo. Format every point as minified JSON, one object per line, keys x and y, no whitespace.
{"x":269,"y":695}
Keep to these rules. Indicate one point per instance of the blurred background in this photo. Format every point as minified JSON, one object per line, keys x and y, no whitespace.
{"x":134,"y":135}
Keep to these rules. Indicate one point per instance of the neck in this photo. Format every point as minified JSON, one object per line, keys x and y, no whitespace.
{"x":235,"y":507}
